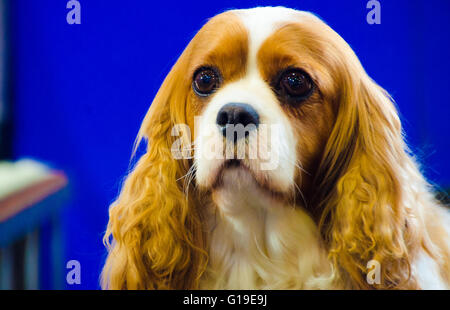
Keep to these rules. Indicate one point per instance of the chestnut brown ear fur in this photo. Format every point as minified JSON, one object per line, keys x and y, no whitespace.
{"x":156,"y":231}
{"x":370,"y":197}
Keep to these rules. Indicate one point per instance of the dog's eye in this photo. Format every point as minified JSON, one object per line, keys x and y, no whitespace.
{"x":295,"y":83}
{"x":206,"y":80}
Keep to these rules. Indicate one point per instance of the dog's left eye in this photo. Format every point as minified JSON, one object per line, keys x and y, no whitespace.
{"x":295,"y":83}
{"x":206,"y":80}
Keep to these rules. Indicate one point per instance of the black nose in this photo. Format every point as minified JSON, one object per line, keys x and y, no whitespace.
{"x":235,"y":114}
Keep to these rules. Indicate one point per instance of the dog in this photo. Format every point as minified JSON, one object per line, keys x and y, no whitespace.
{"x":331,"y":198}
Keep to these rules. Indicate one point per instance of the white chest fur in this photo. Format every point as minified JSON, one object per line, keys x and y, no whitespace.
{"x":255,"y":242}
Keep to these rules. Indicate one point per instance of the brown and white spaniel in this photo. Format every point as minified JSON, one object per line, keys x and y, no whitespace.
{"x":317,"y":189}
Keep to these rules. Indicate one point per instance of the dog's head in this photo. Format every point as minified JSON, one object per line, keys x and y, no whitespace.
{"x":271,"y":98}
{"x":264,"y":109}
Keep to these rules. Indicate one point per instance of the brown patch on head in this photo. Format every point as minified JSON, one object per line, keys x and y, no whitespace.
{"x":223,"y":45}
{"x":306,"y":45}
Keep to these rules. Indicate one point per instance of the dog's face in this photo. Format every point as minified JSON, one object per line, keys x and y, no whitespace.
{"x":264,"y":100}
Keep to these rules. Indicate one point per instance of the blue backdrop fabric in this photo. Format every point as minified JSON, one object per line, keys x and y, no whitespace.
{"x":81,"y":91}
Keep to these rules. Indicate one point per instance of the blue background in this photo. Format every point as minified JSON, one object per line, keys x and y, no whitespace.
{"x":81,"y":91}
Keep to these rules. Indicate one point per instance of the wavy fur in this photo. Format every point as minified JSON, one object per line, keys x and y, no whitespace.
{"x":156,"y":231}
{"x":371,"y":196}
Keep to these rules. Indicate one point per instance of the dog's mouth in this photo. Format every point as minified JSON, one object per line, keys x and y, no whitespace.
{"x":237,"y":174}
{"x":233,"y":163}
{"x":236,"y":165}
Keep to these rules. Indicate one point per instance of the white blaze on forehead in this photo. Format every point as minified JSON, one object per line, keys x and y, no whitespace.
{"x":262,"y":22}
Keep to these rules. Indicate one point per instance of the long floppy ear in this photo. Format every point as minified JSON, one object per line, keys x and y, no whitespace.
{"x":365,"y":212}
{"x":157,"y":240}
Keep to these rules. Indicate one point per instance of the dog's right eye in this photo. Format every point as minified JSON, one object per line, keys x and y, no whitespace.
{"x":205,"y":82}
